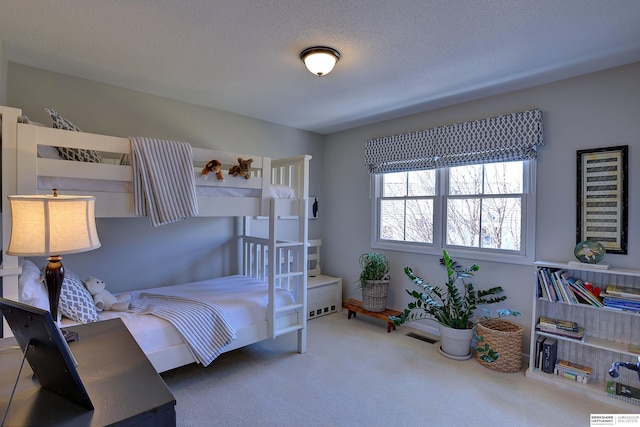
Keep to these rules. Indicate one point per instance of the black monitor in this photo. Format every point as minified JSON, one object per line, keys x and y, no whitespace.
{"x":46,"y":350}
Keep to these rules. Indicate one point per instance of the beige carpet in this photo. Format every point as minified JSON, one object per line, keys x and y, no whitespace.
{"x":355,"y":374}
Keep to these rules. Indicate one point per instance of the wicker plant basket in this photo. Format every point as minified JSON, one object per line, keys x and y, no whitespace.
{"x":505,"y":338}
{"x":374,"y":295}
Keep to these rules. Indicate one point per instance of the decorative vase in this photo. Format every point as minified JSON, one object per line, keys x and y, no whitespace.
{"x":505,"y":338}
{"x":455,"y":343}
{"x":374,"y":294}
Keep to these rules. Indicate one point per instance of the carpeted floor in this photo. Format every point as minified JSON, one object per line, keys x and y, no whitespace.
{"x":355,"y":374}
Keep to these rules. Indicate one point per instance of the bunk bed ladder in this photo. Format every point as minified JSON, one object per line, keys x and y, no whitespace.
{"x":287,"y":268}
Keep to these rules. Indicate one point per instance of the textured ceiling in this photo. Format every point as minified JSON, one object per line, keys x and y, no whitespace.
{"x":398,"y":57}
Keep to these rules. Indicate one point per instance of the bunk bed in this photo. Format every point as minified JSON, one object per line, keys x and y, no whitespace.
{"x":276,"y":189}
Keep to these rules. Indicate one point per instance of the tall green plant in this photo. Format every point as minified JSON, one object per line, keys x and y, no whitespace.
{"x":454,"y":305}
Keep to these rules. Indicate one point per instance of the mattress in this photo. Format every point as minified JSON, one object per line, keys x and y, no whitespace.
{"x":243,"y":300}
{"x":109,"y":186}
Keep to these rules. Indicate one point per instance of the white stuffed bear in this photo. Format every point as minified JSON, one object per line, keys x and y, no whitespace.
{"x":104,"y":299}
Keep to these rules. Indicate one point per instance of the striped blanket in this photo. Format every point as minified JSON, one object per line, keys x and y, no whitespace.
{"x":163,"y":180}
{"x":203,"y":326}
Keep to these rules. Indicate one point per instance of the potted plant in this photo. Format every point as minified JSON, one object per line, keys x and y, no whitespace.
{"x":452,"y":306}
{"x":374,"y":281}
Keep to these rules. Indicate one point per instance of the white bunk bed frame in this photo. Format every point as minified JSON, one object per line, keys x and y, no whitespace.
{"x":283,"y":264}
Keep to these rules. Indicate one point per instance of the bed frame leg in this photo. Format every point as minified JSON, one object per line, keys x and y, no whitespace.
{"x":302,"y":341}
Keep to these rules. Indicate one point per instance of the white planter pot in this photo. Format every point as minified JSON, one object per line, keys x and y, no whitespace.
{"x":455,"y":343}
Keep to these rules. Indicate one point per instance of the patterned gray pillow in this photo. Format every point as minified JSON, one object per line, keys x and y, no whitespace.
{"x":75,"y":154}
{"x":76,"y":302}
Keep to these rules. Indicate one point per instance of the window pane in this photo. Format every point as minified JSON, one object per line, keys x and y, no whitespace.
{"x":503,"y":178}
{"x":419,"y":221}
{"x":501,"y":223}
{"x":422,"y":183}
{"x":465,"y":180}
{"x":392,"y":220}
{"x":394,"y":184}
{"x":463,"y":222}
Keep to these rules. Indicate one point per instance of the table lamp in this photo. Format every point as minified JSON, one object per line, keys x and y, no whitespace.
{"x":52,"y":226}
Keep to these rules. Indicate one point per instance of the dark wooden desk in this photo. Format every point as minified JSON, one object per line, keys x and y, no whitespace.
{"x":122,"y":384}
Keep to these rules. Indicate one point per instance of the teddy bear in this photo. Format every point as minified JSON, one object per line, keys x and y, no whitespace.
{"x":242,"y":168}
{"x":215,"y":167}
{"x":104,"y":299}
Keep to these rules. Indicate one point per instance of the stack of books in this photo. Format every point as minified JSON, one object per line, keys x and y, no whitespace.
{"x":556,"y":285}
{"x":574,"y":371}
{"x":563,"y":328}
{"x":546,"y":354}
{"x":622,"y":298}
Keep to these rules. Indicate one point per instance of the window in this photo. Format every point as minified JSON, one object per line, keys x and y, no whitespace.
{"x":485,"y":208}
{"x":467,"y":187}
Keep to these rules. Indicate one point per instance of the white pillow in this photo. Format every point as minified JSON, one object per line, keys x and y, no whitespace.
{"x":31,"y":287}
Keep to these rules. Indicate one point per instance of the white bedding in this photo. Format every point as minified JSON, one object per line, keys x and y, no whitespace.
{"x":243,"y":300}
{"x":93,"y":185}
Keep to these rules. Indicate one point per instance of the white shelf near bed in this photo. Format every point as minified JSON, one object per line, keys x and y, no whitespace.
{"x":324,"y":293}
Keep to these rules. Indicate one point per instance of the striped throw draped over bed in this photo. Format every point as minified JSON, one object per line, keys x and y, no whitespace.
{"x":163,"y":180}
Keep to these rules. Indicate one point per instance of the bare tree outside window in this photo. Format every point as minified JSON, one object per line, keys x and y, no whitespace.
{"x":482,"y":206}
{"x":406,"y":208}
{"x":475,"y":217}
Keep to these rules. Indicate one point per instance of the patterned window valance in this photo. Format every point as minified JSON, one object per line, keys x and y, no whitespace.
{"x":510,"y":137}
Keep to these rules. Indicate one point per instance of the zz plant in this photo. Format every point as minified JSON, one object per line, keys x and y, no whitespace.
{"x":454,"y":304}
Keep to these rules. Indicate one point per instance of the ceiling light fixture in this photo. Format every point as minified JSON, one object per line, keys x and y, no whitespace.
{"x":320,"y":60}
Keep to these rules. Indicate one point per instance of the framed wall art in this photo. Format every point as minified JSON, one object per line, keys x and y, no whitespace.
{"x":602,"y":200}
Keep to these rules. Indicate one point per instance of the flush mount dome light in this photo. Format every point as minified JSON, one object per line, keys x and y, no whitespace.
{"x":320,"y":60}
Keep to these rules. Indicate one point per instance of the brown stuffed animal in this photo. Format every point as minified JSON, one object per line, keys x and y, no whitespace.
{"x":215,"y":167}
{"x":243,"y":168}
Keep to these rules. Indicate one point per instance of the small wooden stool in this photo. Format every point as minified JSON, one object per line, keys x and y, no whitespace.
{"x":354,"y":306}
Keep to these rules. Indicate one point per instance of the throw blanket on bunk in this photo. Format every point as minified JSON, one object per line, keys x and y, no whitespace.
{"x":163,"y":180}
{"x":203,"y":326}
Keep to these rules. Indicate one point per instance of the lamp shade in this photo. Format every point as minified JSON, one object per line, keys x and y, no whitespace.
{"x":320,"y":60}
{"x":52,"y":225}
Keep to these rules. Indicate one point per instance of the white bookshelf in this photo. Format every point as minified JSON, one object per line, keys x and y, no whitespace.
{"x":608,"y":333}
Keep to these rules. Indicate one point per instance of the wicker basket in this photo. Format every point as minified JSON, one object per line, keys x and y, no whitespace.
{"x":374,"y":295}
{"x":505,"y":338}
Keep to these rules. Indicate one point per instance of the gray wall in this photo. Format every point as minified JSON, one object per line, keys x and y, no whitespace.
{"x":596,"y":110}
{"x":134,"y":254}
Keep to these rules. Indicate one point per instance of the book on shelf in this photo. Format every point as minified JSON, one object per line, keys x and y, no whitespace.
{"x":572,"y":370}
{"x":539,"y":356}
{"x":578,"y":286}
{"x":575,"y":335}
{"x":571,"y":374}
{"x":625,"y":292}
{"x":622,"y":304}
{"x":554,"y":284}
{"x":549,"y":355}
{"x":564,"y":278}
{"x":544,"y":273}
{"x":624,"y":392}
{"x":551,"y":323}
{"x":544,"y":292}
